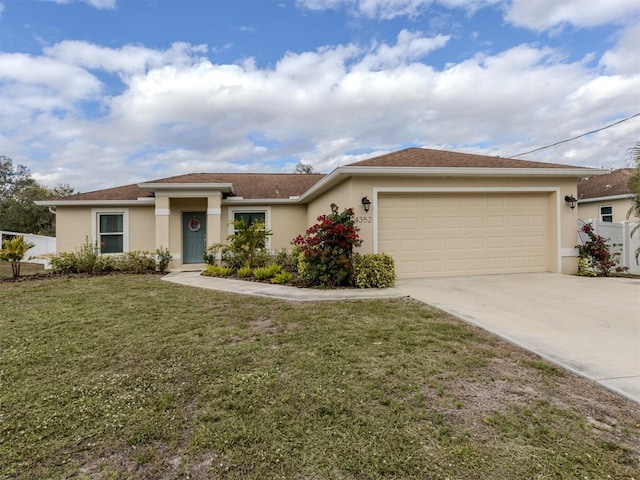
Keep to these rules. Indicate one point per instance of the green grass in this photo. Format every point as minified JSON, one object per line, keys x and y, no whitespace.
{"x":126,"y":376}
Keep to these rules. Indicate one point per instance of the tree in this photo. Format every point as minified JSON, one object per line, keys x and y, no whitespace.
{"x":304,"y":168}
{"x":13,"y":250}
{"x":18,"y":192}
{"x":634,"y":186}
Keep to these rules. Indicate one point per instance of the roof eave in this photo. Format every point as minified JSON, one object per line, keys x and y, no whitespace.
{"x":139,"y":202}
{"x":341,"y":173}
{"x":577,"y":172}
{"x":155,"y":187}
{"x":606,"y":198}
{"x":260,"y":201}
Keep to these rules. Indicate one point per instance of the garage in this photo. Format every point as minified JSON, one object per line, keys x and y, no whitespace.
{"x":448,"y":234}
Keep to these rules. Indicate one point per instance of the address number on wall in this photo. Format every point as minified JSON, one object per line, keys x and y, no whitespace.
{"x":362,"y":219}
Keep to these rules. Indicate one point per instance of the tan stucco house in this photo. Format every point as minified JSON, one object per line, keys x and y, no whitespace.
{"x":437,"y":213}
{"x":606,"y":198}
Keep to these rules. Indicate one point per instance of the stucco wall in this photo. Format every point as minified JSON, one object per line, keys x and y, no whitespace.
{"x":73,"y":227}
{"x":142,"y":229}
{"x":591,"y":210}
{"x":342,"y":195}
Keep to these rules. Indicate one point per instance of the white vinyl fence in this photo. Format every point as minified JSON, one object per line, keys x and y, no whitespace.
{"x":43,"y":245}
{"x":620,"y":236}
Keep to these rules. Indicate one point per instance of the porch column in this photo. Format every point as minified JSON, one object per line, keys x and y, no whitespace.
{"x":162,"y":223}
{"x":214,"y":221}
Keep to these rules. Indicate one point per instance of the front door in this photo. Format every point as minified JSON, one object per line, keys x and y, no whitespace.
{"x":193,"y":236}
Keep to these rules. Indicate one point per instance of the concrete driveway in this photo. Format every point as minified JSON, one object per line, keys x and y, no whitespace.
{"x":588,"y":325}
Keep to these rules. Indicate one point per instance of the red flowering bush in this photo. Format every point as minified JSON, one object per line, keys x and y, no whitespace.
{"x":597,"y":253}
{"x":327,"y":250}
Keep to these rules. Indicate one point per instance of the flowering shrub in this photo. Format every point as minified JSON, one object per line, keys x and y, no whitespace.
{"x":595,"y":254}
{"x":327,"y":250}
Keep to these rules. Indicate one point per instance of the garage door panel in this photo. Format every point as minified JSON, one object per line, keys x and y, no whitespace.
{"x":464,"y":234}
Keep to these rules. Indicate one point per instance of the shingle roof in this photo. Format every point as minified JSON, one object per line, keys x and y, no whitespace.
{"x":126,"y":192}
{"x":614,"y":183}
{"x":425,"y":157}
{"x":246,"y":185}
{"x":285,"y":185}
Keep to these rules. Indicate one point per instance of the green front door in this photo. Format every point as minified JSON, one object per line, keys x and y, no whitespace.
{"x":193,"y":236}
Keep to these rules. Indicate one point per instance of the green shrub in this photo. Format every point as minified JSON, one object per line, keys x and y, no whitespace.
{"x":64,"y":262}
{"x":13,"y":251}
{"x":265,"y":273}
{"x":374,"y":270}
{"x":88,"y":257}
{"x":282,"y":277}
{"x":245,"y":272}
{"x":163,"y":259}
{"x":217,"y":271}
{"x":287,"y":258}
{"x":134,"y":262}
{"x":211,"y":254}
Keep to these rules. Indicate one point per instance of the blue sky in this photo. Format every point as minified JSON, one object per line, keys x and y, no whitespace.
{"x":99,"y":93}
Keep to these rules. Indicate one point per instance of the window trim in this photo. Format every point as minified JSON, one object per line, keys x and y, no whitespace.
{"x":603,"y":215}
{"x":95,"y":226}
{"x":231,"y":211}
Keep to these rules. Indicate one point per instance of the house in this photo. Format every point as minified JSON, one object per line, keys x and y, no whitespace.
{"x":437,"y":213}
{"x":606,"y":198}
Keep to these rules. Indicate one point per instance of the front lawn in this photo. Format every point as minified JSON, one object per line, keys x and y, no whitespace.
{"x":127,"y":376}
{"x":26,"y":268}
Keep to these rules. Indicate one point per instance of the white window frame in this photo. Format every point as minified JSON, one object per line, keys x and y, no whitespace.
{"x":602,"y":215}
{"x":257,"y":209}
{"x":95,"y":225}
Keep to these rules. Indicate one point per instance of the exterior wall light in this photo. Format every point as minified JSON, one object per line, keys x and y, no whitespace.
{"x":366,"y":203}
{"x":571,"y":200}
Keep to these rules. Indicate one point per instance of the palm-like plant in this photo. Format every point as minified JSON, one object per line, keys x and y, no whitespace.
{"x":634,"y":186}
{"x":13,"y":250}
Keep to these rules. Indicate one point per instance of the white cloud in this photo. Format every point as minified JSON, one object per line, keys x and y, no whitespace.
{"x":624,"y":57}
{"x":179,"y":112}
{"x":55,"y":82}
{"x":545,"y":14}
{"x":126,"y":60}
{"x":100,"y":4}
{"x":539,"y":15}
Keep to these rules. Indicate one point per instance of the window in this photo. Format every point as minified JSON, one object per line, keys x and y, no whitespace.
{"x":111,"y":233}
{"x":606,"y":214}
{"x":250,"y":217}
{"x":110,"y":227}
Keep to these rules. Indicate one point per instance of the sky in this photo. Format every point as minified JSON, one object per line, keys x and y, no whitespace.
{"x":102,"y":93}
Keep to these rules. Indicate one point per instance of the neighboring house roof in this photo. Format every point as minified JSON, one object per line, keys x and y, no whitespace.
{"x":614,"y":184}
{"x":290,"y":187}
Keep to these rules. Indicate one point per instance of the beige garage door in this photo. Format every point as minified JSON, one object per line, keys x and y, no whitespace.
{"x":432,"y":235}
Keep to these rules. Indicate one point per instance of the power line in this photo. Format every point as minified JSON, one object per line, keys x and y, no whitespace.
{"x":576,"y":137}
